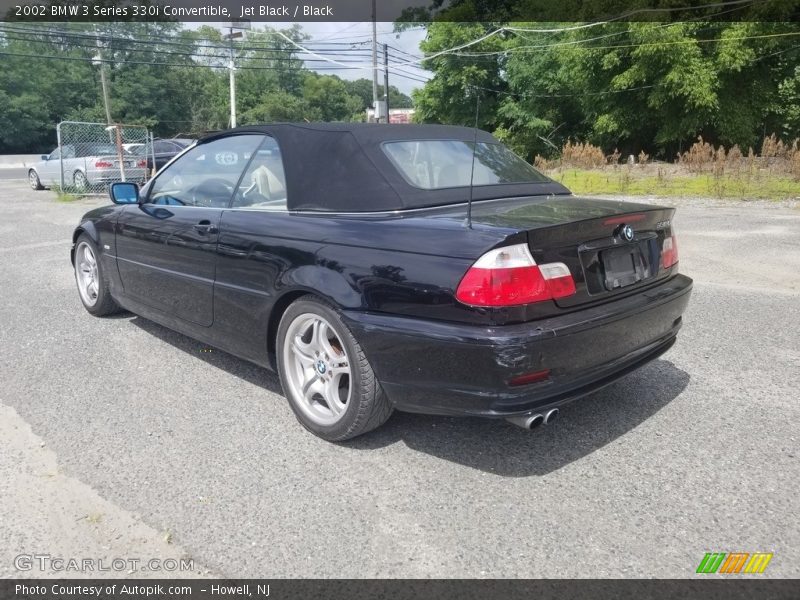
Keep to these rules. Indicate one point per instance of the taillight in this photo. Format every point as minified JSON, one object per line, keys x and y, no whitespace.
{"x":509,"y":276}
{"x":669,"y":252}
{"x":103,"y":164}
{"x":141,"y":163}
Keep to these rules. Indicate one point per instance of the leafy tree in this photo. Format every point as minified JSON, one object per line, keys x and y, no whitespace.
{"x":279,"y":107}
{"x":632,"y":86}
{"x":363,"y":89}
{"x":461,"y":84}
{"x":173,"y":80}
{"x":328,"y":96}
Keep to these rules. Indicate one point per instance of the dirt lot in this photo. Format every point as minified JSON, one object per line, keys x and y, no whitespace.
{"x":121,"y":438}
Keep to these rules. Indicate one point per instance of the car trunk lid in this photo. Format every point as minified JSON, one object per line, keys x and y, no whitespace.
{"x":610,"y":247}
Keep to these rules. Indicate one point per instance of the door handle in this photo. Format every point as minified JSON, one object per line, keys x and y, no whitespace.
{"x":205,"y":226}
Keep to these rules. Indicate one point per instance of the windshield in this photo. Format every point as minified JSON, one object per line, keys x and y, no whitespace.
{"x":434,"y":164}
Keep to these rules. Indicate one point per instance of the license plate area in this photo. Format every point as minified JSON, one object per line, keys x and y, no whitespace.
{"x":623,"y":266}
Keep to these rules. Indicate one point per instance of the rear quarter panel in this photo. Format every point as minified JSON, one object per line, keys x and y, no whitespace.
{"x":403,"y":266}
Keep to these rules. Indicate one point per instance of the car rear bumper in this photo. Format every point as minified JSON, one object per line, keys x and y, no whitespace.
{"x":135,"y":175}
{"x":458,"y":369}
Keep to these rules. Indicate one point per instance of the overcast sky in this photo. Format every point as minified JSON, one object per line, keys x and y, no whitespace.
{"x":359,"y":34}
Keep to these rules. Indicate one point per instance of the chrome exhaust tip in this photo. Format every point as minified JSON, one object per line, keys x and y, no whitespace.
{"x":528,"y":421}
{"x":550,"y":416}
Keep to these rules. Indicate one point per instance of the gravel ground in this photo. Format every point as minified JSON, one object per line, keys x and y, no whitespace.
{"x":696,"y":452}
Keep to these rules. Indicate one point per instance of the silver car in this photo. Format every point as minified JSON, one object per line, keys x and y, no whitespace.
{"x":86,"y":165}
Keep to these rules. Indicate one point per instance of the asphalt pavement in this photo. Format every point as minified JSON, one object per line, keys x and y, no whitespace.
{"x":14,"y":174}
{"x":171,"y":444}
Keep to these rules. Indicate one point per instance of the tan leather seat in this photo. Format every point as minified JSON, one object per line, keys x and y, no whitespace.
{"x":267,"y":183}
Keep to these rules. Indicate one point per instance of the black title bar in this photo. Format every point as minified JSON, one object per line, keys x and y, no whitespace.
{"x":396,"y":589}
{"x":401,"y":11}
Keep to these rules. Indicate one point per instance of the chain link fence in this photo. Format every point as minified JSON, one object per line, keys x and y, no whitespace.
{"x":92,"y":156}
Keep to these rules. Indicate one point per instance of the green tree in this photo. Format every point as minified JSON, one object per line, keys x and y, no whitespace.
{"x":363,"y":89}
{"x":278,"y":107}
{"x":460,"y":84}
{"x":632,"y":86}
{"x":328,"y":95}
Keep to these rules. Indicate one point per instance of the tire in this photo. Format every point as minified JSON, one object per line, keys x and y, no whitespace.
{"x":92,"y":282}
{"x":316,"y":352}
{"x":79,"y":181}
{"x":33,"y":180}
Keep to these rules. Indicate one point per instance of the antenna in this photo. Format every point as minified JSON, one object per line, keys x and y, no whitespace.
{"x":472,"y":168}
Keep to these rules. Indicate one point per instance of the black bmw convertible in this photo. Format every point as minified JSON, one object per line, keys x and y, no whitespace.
{"x":421,"y":268}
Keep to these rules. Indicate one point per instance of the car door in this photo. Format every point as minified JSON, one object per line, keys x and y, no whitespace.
{"x":166,"y":245}
{"x":251,"y":253}
{"x":50,"y":169}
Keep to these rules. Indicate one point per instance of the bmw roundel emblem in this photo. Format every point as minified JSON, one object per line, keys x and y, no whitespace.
{"x":626,"y":233}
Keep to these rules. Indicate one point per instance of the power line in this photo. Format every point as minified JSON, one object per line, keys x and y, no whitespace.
{"x":290,"y":58}
{"x":637,"y":11}
{"x":156,"y":64}
{"x":527,"y":49}
{"x":200,"y":43}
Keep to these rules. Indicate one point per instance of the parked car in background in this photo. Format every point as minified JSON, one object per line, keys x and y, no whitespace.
{"x":163,"y":151}
{"x":86,"y":165}
{"x":421,"y":268}
{"x":132,"y":147}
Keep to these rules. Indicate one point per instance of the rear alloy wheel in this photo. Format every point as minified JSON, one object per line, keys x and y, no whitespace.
{"x":325,"y":375}
{"x":33,"y":180}
{"x":80,"y":182}
{"x":92,"y":284}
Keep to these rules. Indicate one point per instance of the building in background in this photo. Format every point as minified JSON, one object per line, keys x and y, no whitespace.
{"x":396,"y":115}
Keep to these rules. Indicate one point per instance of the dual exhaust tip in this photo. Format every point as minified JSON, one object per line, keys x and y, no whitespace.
{"x":535,"y":420}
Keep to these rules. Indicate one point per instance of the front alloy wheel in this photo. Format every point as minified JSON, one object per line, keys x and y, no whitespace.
{"x":325,"y":375}
{"x":86,"y":274}
{"x":92,"y":284}
{"x":33,"y":180}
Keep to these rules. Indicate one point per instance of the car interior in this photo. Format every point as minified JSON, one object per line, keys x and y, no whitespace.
{"x":207,"y":177}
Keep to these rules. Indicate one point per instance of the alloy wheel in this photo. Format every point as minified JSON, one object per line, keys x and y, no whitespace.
{"x":80,"y":181}
{"x":318,"y":369}
{"x":86,"y":274}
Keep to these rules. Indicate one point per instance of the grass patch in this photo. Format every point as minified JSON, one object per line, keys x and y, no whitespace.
{"x":64,"y":195}
{"x":635,"y":182}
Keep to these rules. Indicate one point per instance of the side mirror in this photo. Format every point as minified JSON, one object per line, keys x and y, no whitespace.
{"x":124,"y":193}
{"x":45,"y":157}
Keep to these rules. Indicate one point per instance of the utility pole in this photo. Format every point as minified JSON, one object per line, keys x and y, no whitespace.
{"x":375,"y":59}
{"x":104,"y":85}
{"x":232,"y":78}
{"x":386,"y":78}
{"x":98,"y":60}
{"x":242,"y":25}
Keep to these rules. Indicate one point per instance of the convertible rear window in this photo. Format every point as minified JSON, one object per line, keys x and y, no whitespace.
{"x":83,"y":150}
{"x":434,"y":164}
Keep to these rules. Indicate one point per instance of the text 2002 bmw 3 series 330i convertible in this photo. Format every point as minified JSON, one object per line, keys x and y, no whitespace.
{"x":347,"y":257}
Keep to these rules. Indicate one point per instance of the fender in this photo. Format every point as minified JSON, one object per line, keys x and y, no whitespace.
{"x":323,"y":282}
{"x":88,"y":227}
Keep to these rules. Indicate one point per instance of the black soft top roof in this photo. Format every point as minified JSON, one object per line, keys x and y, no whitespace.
{"x":340,"y":167}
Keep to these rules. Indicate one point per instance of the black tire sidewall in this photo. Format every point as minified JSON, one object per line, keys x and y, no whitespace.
{"x":341,"y":428}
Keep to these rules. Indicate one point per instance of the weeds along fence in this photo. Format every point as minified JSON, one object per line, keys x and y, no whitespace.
{"x":92,"y":156}
{"x":775,"y":158}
